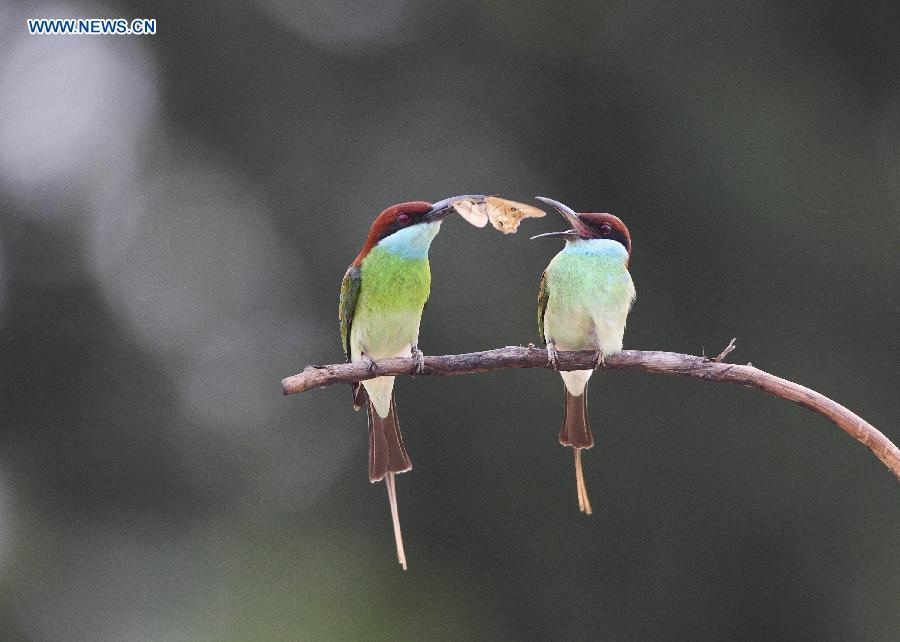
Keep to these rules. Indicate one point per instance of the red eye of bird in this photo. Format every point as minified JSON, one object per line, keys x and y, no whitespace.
{"x":403,"y":219}
{"x":605,"y":229}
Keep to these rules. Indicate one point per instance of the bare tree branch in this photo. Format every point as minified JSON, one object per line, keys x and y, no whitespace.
{"x":670,"y":363}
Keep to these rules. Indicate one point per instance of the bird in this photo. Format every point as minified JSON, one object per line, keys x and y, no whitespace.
{"x":383,"y":295}
{"x":584,"y":298}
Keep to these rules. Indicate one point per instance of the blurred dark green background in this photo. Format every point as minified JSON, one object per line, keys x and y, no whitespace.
{"x":178,"y":211}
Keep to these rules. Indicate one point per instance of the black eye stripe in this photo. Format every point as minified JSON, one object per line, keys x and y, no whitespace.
{"x":616,"y":235}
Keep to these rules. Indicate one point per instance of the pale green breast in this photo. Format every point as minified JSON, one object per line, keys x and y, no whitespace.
{"x":590,"y":294}
{"x":393,"y":292}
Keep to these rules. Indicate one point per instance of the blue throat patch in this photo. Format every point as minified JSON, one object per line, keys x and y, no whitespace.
{"x":597,"y":247}
{"x":411,"y":242}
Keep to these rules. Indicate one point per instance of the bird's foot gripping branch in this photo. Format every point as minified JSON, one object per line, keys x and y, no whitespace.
{"x":670,"y":363}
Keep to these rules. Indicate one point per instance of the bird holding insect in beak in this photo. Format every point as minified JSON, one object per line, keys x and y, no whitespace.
{"x":383,"y":295}
{"x":584,"y":298}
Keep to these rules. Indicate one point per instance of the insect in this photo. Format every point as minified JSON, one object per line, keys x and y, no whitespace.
{"x":503,"y":214}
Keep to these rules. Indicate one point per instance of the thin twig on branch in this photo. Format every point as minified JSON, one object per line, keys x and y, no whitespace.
{"x":727,"y":351}
{"x":670,"y":363}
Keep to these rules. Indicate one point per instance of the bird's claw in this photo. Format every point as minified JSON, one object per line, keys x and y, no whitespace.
{"x":370,"y":364}
{"x":419,"y":356}
{"x":599,"y":360}
{"x":552,"y":356}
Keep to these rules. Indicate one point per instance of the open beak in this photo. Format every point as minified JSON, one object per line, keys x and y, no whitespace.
{"x":568,"y":234}
{"x":578,"y":228}
{"x":441,"y":209}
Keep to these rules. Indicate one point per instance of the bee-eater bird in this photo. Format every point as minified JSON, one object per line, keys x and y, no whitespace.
{"x":584,"y":298}
{"x":383,"y":295}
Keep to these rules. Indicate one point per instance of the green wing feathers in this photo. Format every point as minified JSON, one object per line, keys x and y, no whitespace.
{"x":347,"y":308}
{"x":543,"y":296}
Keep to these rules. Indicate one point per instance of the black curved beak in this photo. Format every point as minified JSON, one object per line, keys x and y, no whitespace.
{"x":440,"y":210}
{"x":578,"y":228}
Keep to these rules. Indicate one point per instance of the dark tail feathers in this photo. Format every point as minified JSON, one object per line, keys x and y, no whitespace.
{"x":386,"y":450}
{"x":575,"y":430}
{"x":359,"y":395}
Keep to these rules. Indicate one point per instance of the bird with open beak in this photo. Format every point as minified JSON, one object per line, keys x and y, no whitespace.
{"x":383,"y":295}
{"x":584,"y":298}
